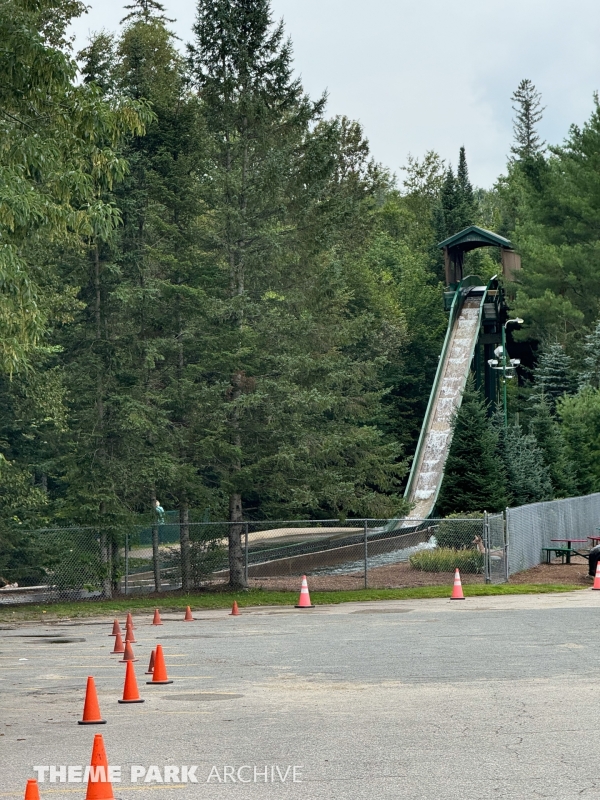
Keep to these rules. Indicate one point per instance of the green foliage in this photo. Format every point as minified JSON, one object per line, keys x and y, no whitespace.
{"x":527,"y":475}
{"x":457,"y":531}
{"x":56,"y":141}
{"x":556,"y":232}
{"x":474,"y":478}
{"x":447,"y":559}
{"x":580,"y":418}
{"x":527,"y":143}
{"x":590,"y":374}
{"x":553,"y":375}
{"x":548,"y":435}
{"x":212,"y":294}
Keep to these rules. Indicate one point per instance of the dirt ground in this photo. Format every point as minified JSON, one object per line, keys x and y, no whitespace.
{"x":399,"y":576}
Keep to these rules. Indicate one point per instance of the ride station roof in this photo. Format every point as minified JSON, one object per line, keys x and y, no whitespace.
{"x":472,"y":237}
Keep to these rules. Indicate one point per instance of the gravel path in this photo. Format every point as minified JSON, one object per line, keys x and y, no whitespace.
{"x":402,"y":575}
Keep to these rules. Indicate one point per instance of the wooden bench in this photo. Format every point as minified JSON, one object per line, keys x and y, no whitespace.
{"x":559,"y":551}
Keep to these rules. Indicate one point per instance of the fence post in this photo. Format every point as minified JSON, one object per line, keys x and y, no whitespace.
{"x":246,"y":554}
{"x":487,"y":544}
{"x":156,"y":558}
{"x":126,"y":562}
{"x":506,"y":544}
{"x":366,"y":555}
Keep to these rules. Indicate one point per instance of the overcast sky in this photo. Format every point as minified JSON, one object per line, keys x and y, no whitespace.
{"x":431,"y":74}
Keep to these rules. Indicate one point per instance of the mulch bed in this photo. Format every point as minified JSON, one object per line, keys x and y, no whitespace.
{"x":403,"y":576}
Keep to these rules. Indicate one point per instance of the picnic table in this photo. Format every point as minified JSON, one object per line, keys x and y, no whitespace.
{"x":594,"y":540}
{"x":562,"y":551}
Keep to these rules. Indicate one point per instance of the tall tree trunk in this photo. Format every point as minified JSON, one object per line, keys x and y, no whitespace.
{"x":237,"y":578}
{"x":105,"y":543}
{"x":184,"y":544}
{"x":106,"y":557}
{"x":115,"y":579}
{"x":155,"y":549}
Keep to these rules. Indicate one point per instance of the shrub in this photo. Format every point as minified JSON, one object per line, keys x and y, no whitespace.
{"x":447,"y":559}
{"x":457,"y":531}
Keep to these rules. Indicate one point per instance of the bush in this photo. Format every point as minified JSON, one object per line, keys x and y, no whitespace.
{"x":207,"y":555}
{"x":457,"y":531}
{"x":447,"y":559}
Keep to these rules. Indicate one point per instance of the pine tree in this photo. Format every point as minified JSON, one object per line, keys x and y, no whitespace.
{"x":146,"y":11}
{"x":97,"y":61}
{"x":559,"y":201}
{"x":137,"y":400}
{"x":579,"y":415}
{"x":474,"y":477}
{"x":465,"y":212}
{"x":528,"y":477}
{"x":548,"y":435}
{"x":457,"y":205}
{"x":553,"y":375}
{"x":528,"y":113}
{"x":289,"y":358}
{"x":448,"y":203}
{"x":590,"y":375}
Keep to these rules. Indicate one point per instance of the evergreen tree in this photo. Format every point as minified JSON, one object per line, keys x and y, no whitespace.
{"x":590,"y":375}
{"x":474,"y":476}
{"x":136,"y":404}
{"x":528,"y":113}
{"x":60,"y":149}
{"x":548,"y":435}
{"x":146,"y":11}
{"x":296,"y":368}
{"x":466,"y":209}
{"x":98,"y":61}
{"x":580,"y":425}
{"x":556,"y":233}
{"x":553,"y":375}
{"x":528,"y":477}
{"x":449,"y":202}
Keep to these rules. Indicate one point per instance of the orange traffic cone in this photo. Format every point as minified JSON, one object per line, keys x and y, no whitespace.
{"x":32,"y":791}
{"x":188,"y":615}
{"x":119,"y":645}
{"x":157,"y":620}
{"x":597,"y":577}
{"x":116,"y":628}
{"x":130,"y":690}
{"x":457,"y":592}
{"x":99,"y":787}
{"x":304,"y":599}
{"x":235,"y":612}
{"x":91,"y":707}
{"x":128,"y":654}
{"x":129,"y":620}
{"x":150,"y":670}
{"x":129,"y":634}
{"x":159,"y":676}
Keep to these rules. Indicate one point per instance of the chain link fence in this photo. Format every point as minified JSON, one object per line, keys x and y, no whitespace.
{"x":533,"y":527}
{"x":88,"y":563}
{"x":83,"y":563}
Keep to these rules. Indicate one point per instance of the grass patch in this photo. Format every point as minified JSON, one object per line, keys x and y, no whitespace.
{"x":257,"y":597}
{"x":447,"y":559}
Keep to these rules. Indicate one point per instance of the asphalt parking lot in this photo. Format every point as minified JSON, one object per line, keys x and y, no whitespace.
{"x":487,"y":697}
